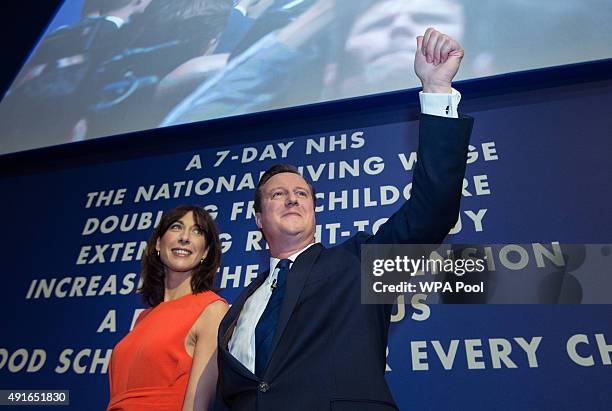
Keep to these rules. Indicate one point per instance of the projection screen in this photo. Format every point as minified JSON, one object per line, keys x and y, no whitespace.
{"x":111,"y":67}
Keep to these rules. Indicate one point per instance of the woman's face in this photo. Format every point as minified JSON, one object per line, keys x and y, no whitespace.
{"x":183,"y":245}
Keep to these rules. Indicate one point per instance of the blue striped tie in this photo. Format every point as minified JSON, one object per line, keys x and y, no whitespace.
{"x":264,"y":332}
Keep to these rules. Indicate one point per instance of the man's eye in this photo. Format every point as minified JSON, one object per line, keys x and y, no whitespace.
{"x":277,"y":194}
{"x":302,"y":193}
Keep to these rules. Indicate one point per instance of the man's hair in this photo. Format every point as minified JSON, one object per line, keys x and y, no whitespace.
{"x":271,"y":172}
{"x":153,"y":269}
{"x":195,"y":19}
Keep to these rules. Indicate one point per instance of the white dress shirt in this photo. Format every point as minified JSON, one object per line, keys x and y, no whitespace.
{"x":440,"y":104}
{"x":242,"y":343}
{"x":118,"y":21}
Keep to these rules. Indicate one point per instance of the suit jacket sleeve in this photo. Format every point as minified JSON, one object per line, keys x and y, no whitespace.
{"x":433,"y":207}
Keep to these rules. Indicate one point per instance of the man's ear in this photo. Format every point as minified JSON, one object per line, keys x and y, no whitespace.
{"x":258,"y":220}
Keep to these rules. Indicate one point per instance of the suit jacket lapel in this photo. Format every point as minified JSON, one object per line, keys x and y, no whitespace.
{"x":296,"y":279}
{"x":229,"y":321}
{"x":234,"y":312}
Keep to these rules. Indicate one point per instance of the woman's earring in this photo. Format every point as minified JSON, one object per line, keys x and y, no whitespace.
{"x":202,"y":261}
{"x":158,"y":253}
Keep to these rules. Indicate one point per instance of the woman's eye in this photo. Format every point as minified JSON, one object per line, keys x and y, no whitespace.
{"x":175,"y":226}
{"x":197,"y":231}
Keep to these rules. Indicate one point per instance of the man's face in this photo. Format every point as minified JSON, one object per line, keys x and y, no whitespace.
{"x":383,"y":40}
{"x":287,"y":211}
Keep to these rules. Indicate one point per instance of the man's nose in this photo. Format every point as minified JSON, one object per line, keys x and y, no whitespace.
{"x":403,"y":24}
{"x":292,"y":199}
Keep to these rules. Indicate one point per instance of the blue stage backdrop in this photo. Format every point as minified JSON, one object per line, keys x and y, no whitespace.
{"x":538,"y":171}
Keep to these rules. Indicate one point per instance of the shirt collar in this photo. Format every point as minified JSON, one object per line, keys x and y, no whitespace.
{"x":274,"y":261}
{"x":117,"y":20}
{"x":241,"y":9}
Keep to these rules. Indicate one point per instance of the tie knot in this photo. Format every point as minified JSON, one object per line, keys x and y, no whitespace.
{"x":284,"y":264}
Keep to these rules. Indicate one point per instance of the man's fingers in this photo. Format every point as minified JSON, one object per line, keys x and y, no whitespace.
{"x":431,"y":46}
{"x":438,"y":47}
{"x":456,"y":50}
{"x":446,"y":47}
{"x":438,"y":56}
{"x":426,"y":37}
{"x":419,"y":40}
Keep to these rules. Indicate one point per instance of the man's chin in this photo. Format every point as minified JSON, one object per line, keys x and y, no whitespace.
{"x":292,"y":232}
{"x":391,"y":66}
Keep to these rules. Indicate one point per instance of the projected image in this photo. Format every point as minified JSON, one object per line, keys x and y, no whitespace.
{"x":116,"y":66}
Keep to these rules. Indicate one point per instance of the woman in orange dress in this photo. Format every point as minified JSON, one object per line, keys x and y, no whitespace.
{"x":168,"y":362}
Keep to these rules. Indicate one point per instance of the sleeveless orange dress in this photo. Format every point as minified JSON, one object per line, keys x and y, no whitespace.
{"x":149,"y":368}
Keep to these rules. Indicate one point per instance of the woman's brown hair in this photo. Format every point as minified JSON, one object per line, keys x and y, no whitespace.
{"x":153,"y":269}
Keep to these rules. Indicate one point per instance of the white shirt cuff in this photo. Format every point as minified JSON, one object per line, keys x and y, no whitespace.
{"x":440,"y":104}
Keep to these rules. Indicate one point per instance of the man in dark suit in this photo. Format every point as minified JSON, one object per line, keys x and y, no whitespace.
{"x":298,"y":337}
